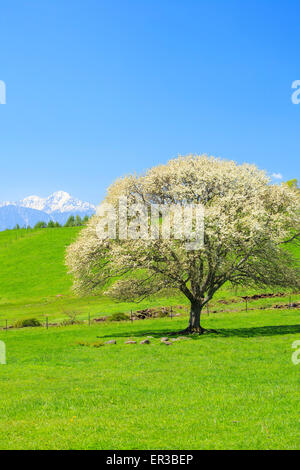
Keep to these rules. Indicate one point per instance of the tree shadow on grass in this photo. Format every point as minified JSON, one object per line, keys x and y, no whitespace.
{"x":221,"y":332}
{"x":260,"y":331}
{"x":141,"y":333}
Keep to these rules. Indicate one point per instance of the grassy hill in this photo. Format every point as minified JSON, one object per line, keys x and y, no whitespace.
{"x":34,"y":280}
{"x":233,"y":390}
{"x":32,"y":263}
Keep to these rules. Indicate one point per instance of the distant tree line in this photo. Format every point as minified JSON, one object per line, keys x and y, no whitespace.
{"x":71,"y":222}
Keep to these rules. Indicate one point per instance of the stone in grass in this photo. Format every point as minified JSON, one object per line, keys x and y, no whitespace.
{"x":112,"y":341}
{"x":167,"y":343}
{"x":175,"y":339}
{"x":145,"y":341}
{"x":164,"y":339}
{"x":130,"y":342}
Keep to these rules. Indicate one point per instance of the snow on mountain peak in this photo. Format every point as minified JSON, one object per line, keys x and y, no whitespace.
{"x":27,"y":212}
{"x":32,"y":202}
{"x":60,"y":195}
{"x":60,"y":201}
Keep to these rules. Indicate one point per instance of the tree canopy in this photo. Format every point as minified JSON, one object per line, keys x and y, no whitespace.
{"x":247,"y":224}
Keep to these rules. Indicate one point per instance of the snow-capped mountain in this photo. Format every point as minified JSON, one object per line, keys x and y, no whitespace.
{"x":57,"y":202}
{"x":58,"y":207}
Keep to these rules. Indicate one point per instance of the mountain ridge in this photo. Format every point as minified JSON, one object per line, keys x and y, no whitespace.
{"x":58,"y":201}
{"x":58,"y":207}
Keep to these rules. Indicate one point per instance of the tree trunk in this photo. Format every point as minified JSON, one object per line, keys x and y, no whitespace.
{"x":194,"y":321}
{"x":195,"y":314}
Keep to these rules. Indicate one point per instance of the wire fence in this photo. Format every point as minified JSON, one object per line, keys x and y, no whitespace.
{"x":244,"y":304}
{"x":87,"y":319}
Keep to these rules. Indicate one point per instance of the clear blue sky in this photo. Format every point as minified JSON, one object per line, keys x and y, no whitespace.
{"x":100,"y":88}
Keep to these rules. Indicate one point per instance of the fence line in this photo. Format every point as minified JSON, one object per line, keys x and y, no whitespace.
{"x":89,"y":319}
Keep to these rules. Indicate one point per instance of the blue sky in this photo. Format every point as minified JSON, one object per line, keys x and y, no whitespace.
{"x":97,"y":89}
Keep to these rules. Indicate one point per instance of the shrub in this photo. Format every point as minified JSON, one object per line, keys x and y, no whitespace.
{"x":118,"y":317}
{"x":27,"y":322}
{"x":82,"y":343}
{"x":162,"y":313}
{"x":72,"y":320}
{"x":96,"y":344}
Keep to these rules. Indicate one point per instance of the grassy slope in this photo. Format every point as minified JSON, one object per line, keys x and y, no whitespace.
{"x":237,"y":390}
{"x":34,"y":280}
{"x":234,"y":390}
{"x":33,"y":274}
{"x":32,"y":263}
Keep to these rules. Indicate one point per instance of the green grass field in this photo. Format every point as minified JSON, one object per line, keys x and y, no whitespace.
{"x":235,"y":390}
{"x":32,"y":263}
{"x":34,"y":282}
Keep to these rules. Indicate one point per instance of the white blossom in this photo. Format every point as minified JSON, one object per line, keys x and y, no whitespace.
{"x":247,"y":220}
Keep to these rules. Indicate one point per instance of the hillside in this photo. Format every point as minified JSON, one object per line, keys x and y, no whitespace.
{"x":34,"y":281}
{"x":64,"y":388}
{"x":32,"y":263}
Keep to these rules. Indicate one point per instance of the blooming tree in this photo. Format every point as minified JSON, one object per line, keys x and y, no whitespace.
{"x":247,"y":224}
